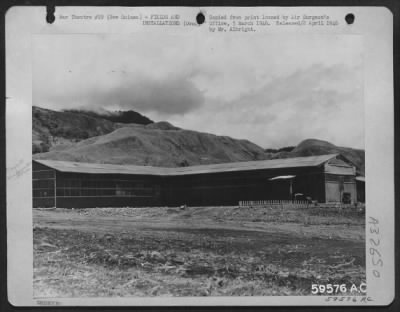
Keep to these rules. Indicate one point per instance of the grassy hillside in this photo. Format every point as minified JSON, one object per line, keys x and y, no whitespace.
{"x":312,"y":147}
{"x":158,"y":144}
{"x":87,"y":137}
{"x":117,"y":116}
{"x":52,"y":128}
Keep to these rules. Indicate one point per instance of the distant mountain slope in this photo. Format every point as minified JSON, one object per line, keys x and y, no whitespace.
{"x":117,"y":116}
{"x":312,"y":147}
{"x":77,"y":136}
{"x":158,"y":144}
{"x":53,"y":129}
{"x":318,"y":147}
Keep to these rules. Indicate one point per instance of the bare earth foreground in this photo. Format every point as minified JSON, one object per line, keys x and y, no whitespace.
{"x":203,"y":251}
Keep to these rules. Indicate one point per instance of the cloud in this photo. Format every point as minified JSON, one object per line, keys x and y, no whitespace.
{"x":273,"y":90}
{"x":318,"y":101}
{"x":311,"y":86}
{"x":175,"y":95}
{"x":116,"y":71}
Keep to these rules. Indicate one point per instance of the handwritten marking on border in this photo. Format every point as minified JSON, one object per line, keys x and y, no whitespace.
{"x":18,"y":170}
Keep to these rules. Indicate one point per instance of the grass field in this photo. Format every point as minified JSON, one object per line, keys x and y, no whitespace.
{"x":204,"y":251}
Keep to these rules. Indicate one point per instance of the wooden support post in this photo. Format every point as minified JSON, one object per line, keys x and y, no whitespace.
{"x":55,"y":189}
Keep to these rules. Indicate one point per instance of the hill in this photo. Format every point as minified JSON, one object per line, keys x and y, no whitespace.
{"x":117,"y":116}
{"x":312,"y":147}
{"x":158,"y":144}
{"x":62,"y":129}
{"x":87,"y":137}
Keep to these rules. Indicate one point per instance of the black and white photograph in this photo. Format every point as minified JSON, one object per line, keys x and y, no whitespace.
{"x":227,"y":163}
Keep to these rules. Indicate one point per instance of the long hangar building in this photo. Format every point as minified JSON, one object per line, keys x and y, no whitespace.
{"x":325,"y":178}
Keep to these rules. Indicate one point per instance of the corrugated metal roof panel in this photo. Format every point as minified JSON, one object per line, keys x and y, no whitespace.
{"x":66,"y":166}
{"x":80,"y":167}
{"x":310,"y":161}
{"x":284,"y":177}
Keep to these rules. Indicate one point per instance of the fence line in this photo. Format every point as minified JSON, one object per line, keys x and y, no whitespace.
{"x":298,"y":204}
{"x":289,"y":203}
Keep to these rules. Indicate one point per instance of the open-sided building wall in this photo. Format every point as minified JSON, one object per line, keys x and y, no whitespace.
{"x":228,"y":188}
{"x":107,"y":190}
{"x":324,"y":178}
{"x":43,"y":185}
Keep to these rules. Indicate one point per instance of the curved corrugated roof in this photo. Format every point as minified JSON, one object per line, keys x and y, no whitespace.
{"x":80,"y":167}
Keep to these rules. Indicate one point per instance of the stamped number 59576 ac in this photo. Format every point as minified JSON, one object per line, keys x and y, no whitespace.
{"x":339,"y":288}
{"x":328,"y":288}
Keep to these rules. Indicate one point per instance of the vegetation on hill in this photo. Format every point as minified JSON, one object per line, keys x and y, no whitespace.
{"x":150,"y":145}
{"x":59,"y":130}
{"x":278,"y":150}
{"x":318,"y":147}
{"x":117,"y":116}
{"x":75,"y":135}
{"x":312,"y":147}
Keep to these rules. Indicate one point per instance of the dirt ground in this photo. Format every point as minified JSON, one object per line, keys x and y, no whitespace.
{"x":195,"y":251}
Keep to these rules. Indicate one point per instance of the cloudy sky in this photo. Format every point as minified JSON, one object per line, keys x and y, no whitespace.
{"x":274,"y":90}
